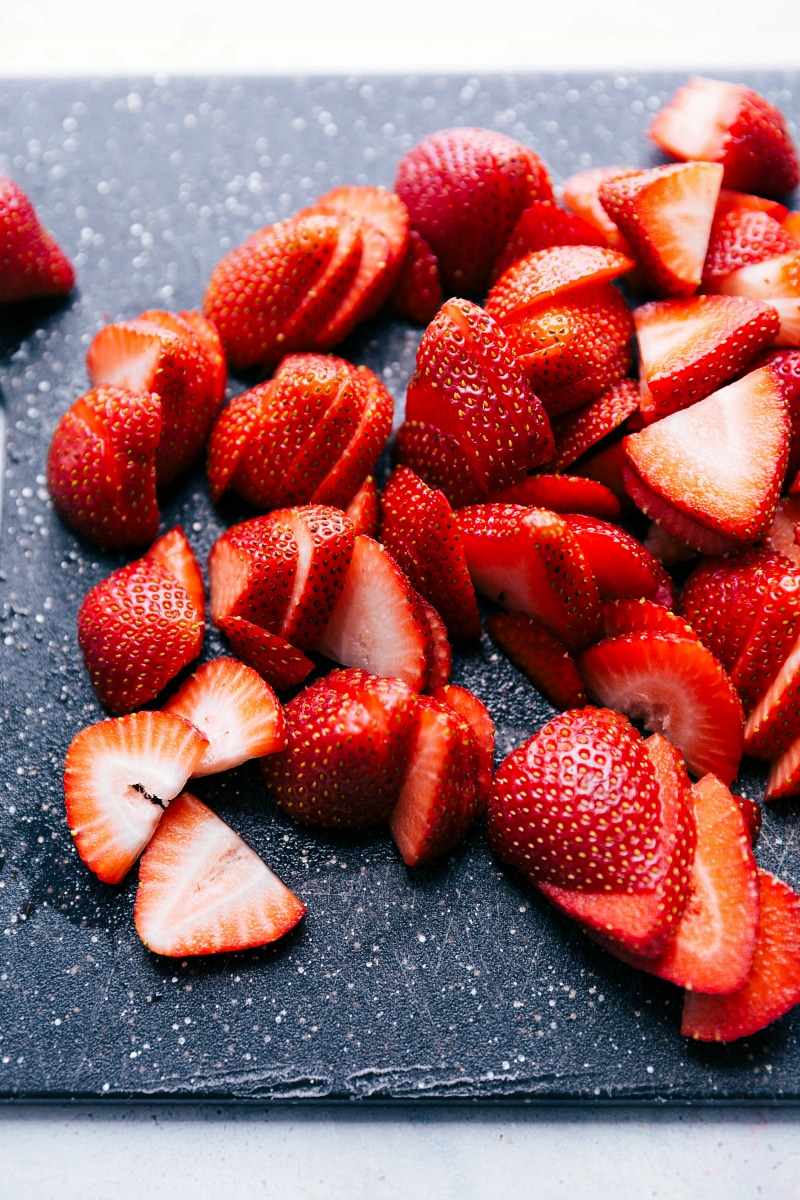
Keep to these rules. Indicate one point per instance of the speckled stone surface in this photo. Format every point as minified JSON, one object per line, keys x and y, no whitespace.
{"x":444,"y":983}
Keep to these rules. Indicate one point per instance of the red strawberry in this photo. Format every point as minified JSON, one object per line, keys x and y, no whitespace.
{"x":537,"y":279}
{"x":770,"y":638}
{"x":739,"y":238}
{"x":776,"y":281}
{"x":201,"y":333}
{"x":33,"y":263}
{"x":364,"y":509}
{"x":468,"y":385}
{"x":440,"y":658}
{"x":202,"y":890}
{"x":149,"y":357}
{"x":477,"y":716}
{"x":379,"y":622}
{"x":119,"y":777}
{"x":137,"y":629}
{"x":712,"y":948}
{"x":349,"y":739}
{"x":665,"y":547}
{"x":561,"y":494}
{"x":175,"y":554}
{"x":642,"y":922}
{"x":101,"y":467}
{"x":236,"y":710}
{"x":439,"y":798}
{"x":774,"y":723}
{"x":437,"y":458}
{"x":282,"y":665}
{"x":273,"y":294}
{"x":722,"y":461}
{"x":464,"y":190}
{"x":324,"y":537}
{"x":689,"y":348}
{"x":364,"y":448}
{"x":251,"y":572}
{"x":681,"y":529}
{"x":605,"y":466}
{"x":773,"y":985}
{"x":541,"y":225}
{"x":578,"y":805}
{"x":622,"y":568}
{"x":666,"y":215}
{"x":618,"y":617}
{"x":581,"y":194}
{"x":578,"y":430}
{"x":417,"y":294}
{"x":730,"y":124}
{"x":540,"y":656}
{"x":783,"y":780}
{"x":676,"y":687}
{"x":528,"y":561}
{"x":782,"y":534}
{"x":420,"y":531}
{"x":733,"y":201}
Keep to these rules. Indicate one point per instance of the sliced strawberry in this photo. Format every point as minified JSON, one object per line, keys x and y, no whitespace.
{"x":561,"y":494}
{"x":785,"y":366}
{"x":175,"y":554}
{"x":783,"y":780}
{"x":101,"y":467}
{"x":364,"y":509}
{"x":773,"y":985}
{"x":666,"y":215}
{"x":622,"y":568}
{"x":578,"y":806}
{"x":751,"y":811}
{"x":731,"y":124}
{"x":665,"y":547}
{"x":251,"y":572}
{"x":605,"y":467}
{"x":33,"y":263}
{"x":535,"y":280}
{"x":770,"y":279}
{"x":324,"y":537}
{"x":618,"y":617}
{"x":283,"y":666}
{"x":366,"y":443}
{"x":770,"y":639}
{"x":578,"y":430}
{"x":580,"y":193}
{"x":438,"y":460}
{"x":208,"y":335}
{"x":468,"y":384}
{"x":527,"y":560}
{"x":119,"y":777}
{"x":440,"y":660}
{"x":680,"y":528}
{"x":439,"y":798}
{"x":676,"y":687}
{"x":349,"y":739}
{"x":233,"y":431}
{"x":202,"y":890}
{"x":642,"y":922}
{"x":420,"y":531}
{"x":417,"y":294}
{"x":236,"y":710}
{"x":540,"y":656}
{"x":477,"y":716}
{"x":712,"y":948}
{"x":464,"y":190}
{"x":541,"y":225}
{"x":774,"y":723}
{"x":733,"y":201}
{"x":722,"y":461}
{"x":740,"y":238}
{"x":689,"y":348}
{"x":379,"y":623}
{"x":137,"y":629}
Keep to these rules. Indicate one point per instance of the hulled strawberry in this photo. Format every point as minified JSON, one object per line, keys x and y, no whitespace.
{"x":33,"y":264}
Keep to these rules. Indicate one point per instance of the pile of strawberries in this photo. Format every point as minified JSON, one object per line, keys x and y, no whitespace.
{"x":545,"y":408}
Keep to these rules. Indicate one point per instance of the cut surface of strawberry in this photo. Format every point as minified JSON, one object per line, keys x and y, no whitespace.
{"x":479,"y":719}
{"x":236,"y":710}
{"x":622,"y":567}
{"x":119,"y":776}
{"x":740,"y":238}
{"x":440,"y":659}
{"x":562,"y":494}
{"x":202,"y":890}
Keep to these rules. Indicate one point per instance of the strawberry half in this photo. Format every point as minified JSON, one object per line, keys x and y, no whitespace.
{"x":541,"y":225}
{"x":236,"y":710}
{"x":251,"y":572}
{"x":324,"y":537}
{"x":739,"y":238}
{"x":202,"y":890}
{"x":119,"y":776}
{"x":437,"y":458}
{"x":33,"y":263}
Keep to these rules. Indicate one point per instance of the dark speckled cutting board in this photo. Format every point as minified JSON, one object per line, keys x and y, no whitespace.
{"x":443,"y":983}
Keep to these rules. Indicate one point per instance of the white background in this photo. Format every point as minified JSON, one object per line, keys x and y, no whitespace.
{"x":627,"y":1154}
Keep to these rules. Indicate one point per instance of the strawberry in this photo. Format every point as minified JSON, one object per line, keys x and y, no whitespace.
{"x":774,"y":723}
{"x":689,"y":348}
{"x":540,"y":656}
{"x":364,"y":448}
{"x":528,"y":561}
{"x":119,"y":776}
{"x":251,"y":572}
{"x":477,"y":716}
{"x":783,"y":779}
{"x":439,"y":798}
{"x":539,"y":277}
{"x":236,"y":710}
{"x":676,"y":687}
{"x":773,"y":984}
{"x":605,"y":467}
{"x":149,"y":356}
{"x":639,"y":921}
{"x":576,"y":431}
{"x":618,"y":617}
{"x":722,"y":461}
{"x":730,"y":124}
{"x":420,"y":531}
{"x":581,"y":195}
{"x":281,"y":665}
{"x":33,"y":263}
{"x":776,"y":281}
{"x":364,"y":509}
{"x":202,"y":890}
{"x":740,"y":238}
{"x":467,"y":384}
{"x":782,"y":533}
{"x":712,"y":948}
{"x":440,"y":657}
{"x":464,"y":190}
{"x":417,"y":294}
{"x":561,"y":494}
{"x":273,"y":294}
{"x":666,"y":548}
{"x":348,"y":741}
{"x":175,"y":554}
{"x":578,"y":805}
{"x":438,"y":459}
{"x":324,"y":537}
{"x":666,"y":215}
{"x":541,"y":225}
{"x":770,"y":638}
{"x":622,"y":568}
{"x":101,"y":467}
{"x":733,"y":201}
{"x":379,"y":623}
{"x":681,"y":530}
{"x":137,"y":629}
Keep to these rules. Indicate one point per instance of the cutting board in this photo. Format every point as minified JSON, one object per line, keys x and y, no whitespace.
{"x":449,"y":982}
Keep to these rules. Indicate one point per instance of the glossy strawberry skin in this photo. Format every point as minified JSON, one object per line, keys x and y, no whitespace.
{"x":417,"y":294}
{"x":33,"y":263}
{"x":540,"y":656}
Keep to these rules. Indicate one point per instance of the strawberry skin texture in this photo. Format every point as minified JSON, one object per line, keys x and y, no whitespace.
{"x":101,"y":467}
{"x":440,"y":656}
{"x":202,"y":890}
{"x":773,"y":985}
{"x":364,"y":509}
{"x":622,"y":567}
{"x":137,"y":629}
{"x":173,"y":552}
{"x":541,"y":225}
{"x":281,"y":665}
{"x":578,"y":805}
{"x":477,"y":716}
{"x":465,"y":189}
{"x":740,"y":238}
{"x":544,"y":275}
{"x":576,"y":431}
{"x":33,"y":264}
{"x":437,"y":458}
{"x":251,"y":571}
{"x":365,"y":446}
{"x":417,"y":294}
{"x":562,"y":494}
{"x":119,"y":776}
{"x":540,"y":656}
{"x":325,"y":540}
